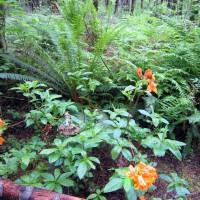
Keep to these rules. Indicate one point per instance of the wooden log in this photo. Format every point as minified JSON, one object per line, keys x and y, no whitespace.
{"x":13,"y":191}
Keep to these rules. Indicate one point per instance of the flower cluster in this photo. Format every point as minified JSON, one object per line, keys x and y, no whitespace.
{"x":152,"y":87}
{"x":2,"y":124}
{"x":142,"y":176}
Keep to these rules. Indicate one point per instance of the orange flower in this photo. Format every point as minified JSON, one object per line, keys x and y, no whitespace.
{"x":143,"y":176}
{"x":142,"y":198}
{"x":148,"y":74}
{"x":139,"y":72}
{"x":152,"y":86}
{"x":2,"y":123}
{"x":1,"y":140}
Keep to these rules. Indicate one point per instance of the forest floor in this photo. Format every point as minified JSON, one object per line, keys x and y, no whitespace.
{"x":188,"y":168}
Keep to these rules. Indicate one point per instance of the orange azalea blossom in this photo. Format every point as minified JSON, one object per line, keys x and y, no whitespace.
{"x":143,"y":176}
{"x":2,"y":123}
{"x":1,"y":140}
{"x":139,"y":72}
{"x":148,"y":75}
{"x":142,"y":198}
{"x":152,"y":86}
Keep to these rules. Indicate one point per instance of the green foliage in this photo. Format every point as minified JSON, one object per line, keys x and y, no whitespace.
{"x":47,"y":106}
{"x":176,"y":183}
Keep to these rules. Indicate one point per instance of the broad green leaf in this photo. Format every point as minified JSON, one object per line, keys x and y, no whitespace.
{"x":127,"y":154}
{"x":58,"y":188}
{"x":166,"y":178}
{"x":155,"y":121}
{"x":25,"y":178}
{"x":109,"y":122}
{"x":48,"y":176}
{"x":127,"y":184}
{"x":57,"y":142}
{"x":113,"y":185}
{"x":144,"y":112}
{"x":115,"y":152}
{"x":25,"y":159}
{"x":56,"y":173}
{"x":29,"y":122}
{"x":170,"y":187}
{"x":53,"y":157}
{"x":117,"y":133}
{"x":50,"y":186}
{"x":44,"y":120}
{"x":65,"y":182}
{"x":159,"y":151}
{"x":94,"y":159}
{"x":92,"y":196}
{"x":82,"y":169}
{"x":182,"y":191}
{"x":48,"y":151}
{"x":131,"y":194}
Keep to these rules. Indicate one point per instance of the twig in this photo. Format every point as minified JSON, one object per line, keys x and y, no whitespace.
{"x":16,"y":124}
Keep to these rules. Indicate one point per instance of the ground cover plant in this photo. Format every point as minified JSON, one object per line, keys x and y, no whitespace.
{"x":108,"y":92}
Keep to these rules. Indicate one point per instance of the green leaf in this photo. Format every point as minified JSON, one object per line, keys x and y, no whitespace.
{"x":56,"y":173}
{"x":109,"y":122}
{"x":92,"y":196}
{"x":58,"y":188}
{"x":159,"y":151}
{"x":182,"y":191}
{"x":117,"y":133}
{"x":155,"y":121}
{"x":25,"y":159}
{"x":57,"y":142}
{"x":115,"y":152}
{"x":131,"y":194}
{"x":170,"y":187}
{"x":166,"y":178}
{"x":113,"y":185}
{"x":48,"y":176}
{"x":127,"y":154}
{"x":144,"y":112}
{"x":53,"y":157}
{"x":29,"y":122}
{"x":25,"y":178}
{"x":82,"y":169}
{"x":66,"y":182}
{"x":44,"y":120}
{"x":50,"y":186}
{"x":94,"y":159}
{"x":48,"y":151}
{"x":127,"y":184}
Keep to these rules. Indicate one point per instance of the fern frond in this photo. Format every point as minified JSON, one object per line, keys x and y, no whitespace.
{"x":18,"y":77}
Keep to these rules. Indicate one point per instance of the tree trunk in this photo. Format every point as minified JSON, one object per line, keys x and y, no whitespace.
{"x":172,"y":4}
{"x":106,"y":3}
{"x":142,"y":4}
{"x":132,"y":5}
{"x":116,"y":6}
{"x":2,"y":28}
{"x":96,"y":4}
{"x":194,"y":9}
{"x":2,"y":31}
{"x":180,"y":7}
{"x":12,"y":191}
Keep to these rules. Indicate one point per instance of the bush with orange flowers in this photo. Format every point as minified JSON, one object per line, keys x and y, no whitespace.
{"x":142,"y":176}
{"x":148,"y":76}
{"x":2,"y":128}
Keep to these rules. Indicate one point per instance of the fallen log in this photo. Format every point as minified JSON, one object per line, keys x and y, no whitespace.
{"x":12,"y":191}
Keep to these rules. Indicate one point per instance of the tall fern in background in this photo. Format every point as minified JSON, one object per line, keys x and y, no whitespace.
{"x":65,"y":52}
